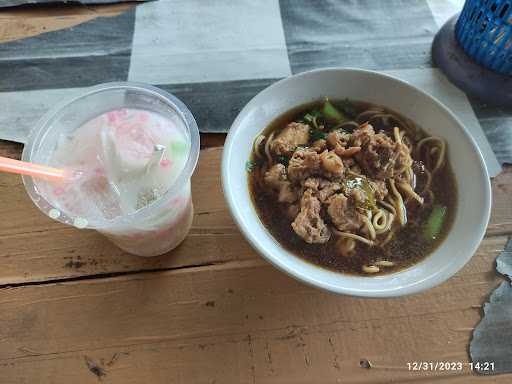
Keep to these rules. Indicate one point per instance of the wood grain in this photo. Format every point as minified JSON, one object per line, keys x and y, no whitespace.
{"x":20,"y":23}
{"x":64,"y":252}
{"x":242,"y":322}
{"x":212,"y":140}
{"x":35,"y":248}
{"x":221,"y":315}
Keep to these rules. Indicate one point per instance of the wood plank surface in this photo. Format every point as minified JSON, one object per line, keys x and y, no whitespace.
{"x":213,"y":311}
{"x":241,"y":321}
{"x":35,"y":248}
{"x":66,"y":252}
{"x":22,"y":22}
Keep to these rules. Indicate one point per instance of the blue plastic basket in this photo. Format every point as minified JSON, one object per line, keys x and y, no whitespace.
{"x":484,"y":30}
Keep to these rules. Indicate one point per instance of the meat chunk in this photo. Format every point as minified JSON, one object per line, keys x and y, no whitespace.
{"x":383,"y":158}
{"x":303,"y":164}
{"x":276,"y":176}
{"x":379,"y":156}
{"x":358,"y":195}
{"x":323,"y":188}
{"x":379,"y":189}
{"x":319,"y":145}
{"x":337,"y":139}
{"x":308,"y":224}
{"x":404,"y":159}
{"x":277,"y":180}
{"x":312,"y":183}
{"x":362,"y":136}
{"x":332,"y":163}
{"x":347,"y":152}
{"x":343,"y":213}
{"x":328,"y":189}
{"x":287,"y":194}
{"x":292,"y":136}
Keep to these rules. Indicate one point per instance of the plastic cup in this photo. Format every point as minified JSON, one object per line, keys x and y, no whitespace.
{"x":152,"y":230}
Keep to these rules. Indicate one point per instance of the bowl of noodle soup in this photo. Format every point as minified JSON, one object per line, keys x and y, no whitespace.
{"x":356,"y":182}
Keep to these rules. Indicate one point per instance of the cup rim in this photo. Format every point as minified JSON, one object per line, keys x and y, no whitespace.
{"x":432,"y":279}
{"x":43,"y":125}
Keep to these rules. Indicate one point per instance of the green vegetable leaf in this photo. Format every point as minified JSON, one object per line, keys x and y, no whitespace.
{"x":432,"y":227}
{"x":315,"y":112}
{"x":308,"y":118}
{"x":284,"y":160}
{"x":362,"y":184}
{"x":370,"y":194}
{"x":249,"y":166}
{"x":315,"y":135}
{"x":331,"y":113}
{"x":313,"y":118}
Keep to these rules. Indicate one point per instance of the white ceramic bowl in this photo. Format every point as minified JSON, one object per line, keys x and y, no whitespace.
{"x":474,"y":191}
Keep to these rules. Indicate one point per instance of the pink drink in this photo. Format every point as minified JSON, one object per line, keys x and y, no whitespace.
{"x":129,"y":178}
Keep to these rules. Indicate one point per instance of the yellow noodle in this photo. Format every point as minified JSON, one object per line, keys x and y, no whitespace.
{"x":257,"y":144}
{"x":428,"y":182}
{"x":386,"y":226}
{"x":351,"y":244}
{"x":407,"y":189}
{"x":355,"y":174}
{"x":353,"y":236}
{"x":391,"y":218}
{"x":383,"y":116}
{"x":380,"y":216}
{"x":390,"y":207}
{"x":396,"y":132}
{"x":406,"y":141}
{"x":404,"y":169}
{"x":384,"y":263}
{"x":267,"y":149}
{"x":370,"y":269}
{"x":438,"y":143}
{"x":369,"y":227}
{"x":346,"y":245}
{"x":370,"y":113}
{"x":399,"y":204}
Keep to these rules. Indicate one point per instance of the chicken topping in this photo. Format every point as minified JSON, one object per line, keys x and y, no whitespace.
{"x":308,"y":224}
{"x":292,"y":136}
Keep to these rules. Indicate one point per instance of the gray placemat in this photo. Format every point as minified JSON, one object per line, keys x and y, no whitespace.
{"x":217,"y":55}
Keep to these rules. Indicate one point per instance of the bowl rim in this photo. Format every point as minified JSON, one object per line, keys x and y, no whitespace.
{"x":426,"y":283}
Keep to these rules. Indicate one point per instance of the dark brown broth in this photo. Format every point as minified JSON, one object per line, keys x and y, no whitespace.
{"x":407,"y":247}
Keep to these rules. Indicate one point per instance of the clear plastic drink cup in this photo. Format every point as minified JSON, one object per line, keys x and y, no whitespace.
{"x":91,"y":131}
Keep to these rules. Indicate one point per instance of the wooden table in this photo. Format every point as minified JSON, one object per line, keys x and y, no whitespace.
{"x":75,"y":309}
